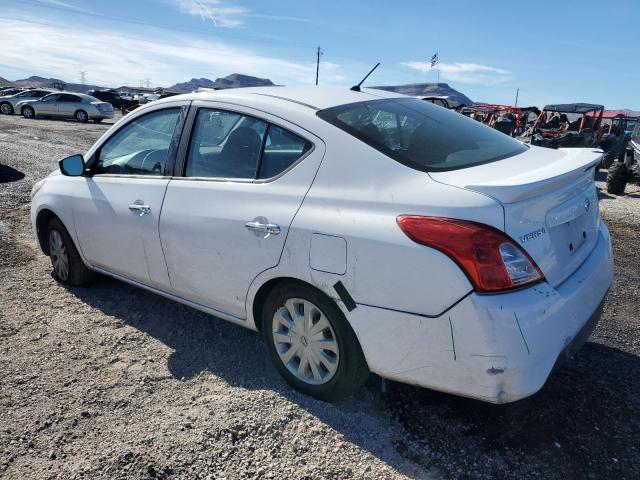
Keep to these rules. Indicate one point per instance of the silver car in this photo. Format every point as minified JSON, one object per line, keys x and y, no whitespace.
{"x":8,"y":102}
{"x":68,"y":105}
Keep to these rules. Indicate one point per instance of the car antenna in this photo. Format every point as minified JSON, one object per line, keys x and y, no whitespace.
{"x":356,"y":88}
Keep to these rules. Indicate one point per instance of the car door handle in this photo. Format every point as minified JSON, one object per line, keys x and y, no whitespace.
{"x":141,"y":209}
{"x":268,"y":228}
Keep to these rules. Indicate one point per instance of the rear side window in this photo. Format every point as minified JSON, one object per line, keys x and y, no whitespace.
{"x":141,"y":146}
{"x":231,"y":145}
{"x":281,"y":150}
{"x":422,"y":135}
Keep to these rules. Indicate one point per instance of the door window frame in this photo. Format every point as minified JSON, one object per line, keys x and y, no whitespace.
{"x":169,"y":164}
{"x":189,"y":129}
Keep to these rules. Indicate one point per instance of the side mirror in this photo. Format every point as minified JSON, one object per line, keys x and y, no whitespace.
{"x":72,"y":166}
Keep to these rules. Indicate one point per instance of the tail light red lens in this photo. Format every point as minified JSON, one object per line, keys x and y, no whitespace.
{"x":492,"y":261}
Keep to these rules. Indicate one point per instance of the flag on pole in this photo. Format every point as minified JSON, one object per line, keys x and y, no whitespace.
{"x":434,"y":59}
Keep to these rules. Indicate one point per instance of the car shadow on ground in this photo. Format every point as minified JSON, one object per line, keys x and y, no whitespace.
{"x":580,"y":424}
{"x":10,"y":174}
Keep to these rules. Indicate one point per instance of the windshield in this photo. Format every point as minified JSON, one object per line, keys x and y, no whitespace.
{"x":422,"y":135}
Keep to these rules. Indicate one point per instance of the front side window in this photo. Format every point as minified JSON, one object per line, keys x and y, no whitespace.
{"x":141,"y":147}
{"x":421,"y":135}
{"x":51,"y":98}
{"x":225,"y":145}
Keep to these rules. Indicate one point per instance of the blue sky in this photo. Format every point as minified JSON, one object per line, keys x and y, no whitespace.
{"x":554,"y":51}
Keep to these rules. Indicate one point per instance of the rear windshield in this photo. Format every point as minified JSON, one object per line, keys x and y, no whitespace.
{"x":422,"y":135}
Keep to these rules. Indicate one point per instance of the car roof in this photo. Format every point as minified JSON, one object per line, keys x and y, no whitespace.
{"x":311,"y":98}
{"x":81,"y":95}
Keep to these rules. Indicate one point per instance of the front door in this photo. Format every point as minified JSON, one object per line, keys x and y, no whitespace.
{"x":226,"y":220}
{"x":48,"y":105}
{"x":117,"y":208}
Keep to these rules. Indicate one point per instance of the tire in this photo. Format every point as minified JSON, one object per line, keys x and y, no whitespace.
{"x":28,"y":112}
{"x":81,"y":116}
{"x":68,"y":267}
{"x":330,"y":372}
{"x":617,"y":178}
{"x":607,"y":159}
{"x":6,"y":108}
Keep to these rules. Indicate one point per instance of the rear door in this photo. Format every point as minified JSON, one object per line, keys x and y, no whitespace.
{"x":68,"y":105}
{"x":245,"y":174}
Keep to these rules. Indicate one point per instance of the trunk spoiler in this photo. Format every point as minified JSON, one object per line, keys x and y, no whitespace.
{"x":528,"y":175}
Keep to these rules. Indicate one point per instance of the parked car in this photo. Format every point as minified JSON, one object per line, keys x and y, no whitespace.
{"x":113,"y":97}
{"x":8,"y":102}
{"x":357,"y":230}
{"x":67,"y":105}
{"x":11,"y":91}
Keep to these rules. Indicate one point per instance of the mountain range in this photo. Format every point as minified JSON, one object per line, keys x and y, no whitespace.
{"x":429,"y":89}
{"x":237,"y":80}
{"x":234,"y":80}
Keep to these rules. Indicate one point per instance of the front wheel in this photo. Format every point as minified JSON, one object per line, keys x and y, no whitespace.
{"x":311,"y":343}
{"x":28,"y":112}
{"x":81,"y":116}
{"x":68,"y":267}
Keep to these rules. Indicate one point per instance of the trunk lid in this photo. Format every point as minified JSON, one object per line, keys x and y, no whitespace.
{"x":550,"y":203}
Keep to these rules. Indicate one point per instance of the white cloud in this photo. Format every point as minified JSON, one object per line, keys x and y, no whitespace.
{"x":212,"y":10}
{"x":470,"y":73}
{"x":111,"y":58}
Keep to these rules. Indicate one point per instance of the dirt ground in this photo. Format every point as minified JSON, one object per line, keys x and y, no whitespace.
{"x":112,"y":382}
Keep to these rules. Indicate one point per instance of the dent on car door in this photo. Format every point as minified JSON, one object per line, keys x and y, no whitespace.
{"x":225,"y":221}
{"x":118,"y":207}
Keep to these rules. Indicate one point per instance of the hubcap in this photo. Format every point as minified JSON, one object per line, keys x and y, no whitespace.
{"x":5,"y":108}
{"x":28,"y":112}
{"x":82,"y":116}
{"x":59,"y":257}
{"x":305,"y":341}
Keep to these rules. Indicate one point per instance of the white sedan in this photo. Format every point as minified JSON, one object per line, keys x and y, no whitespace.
{"x":359,"y":231}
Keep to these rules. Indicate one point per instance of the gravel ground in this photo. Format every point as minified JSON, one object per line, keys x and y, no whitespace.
{"x":111,"y":382}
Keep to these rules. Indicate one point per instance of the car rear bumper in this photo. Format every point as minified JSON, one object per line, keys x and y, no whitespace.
{"x":496,"y":348}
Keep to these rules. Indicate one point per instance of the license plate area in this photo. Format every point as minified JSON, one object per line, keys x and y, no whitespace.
{"x":574,"y":233}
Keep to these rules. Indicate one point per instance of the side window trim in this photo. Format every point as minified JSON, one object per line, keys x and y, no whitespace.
{"x":187,"y":133}
{"x":173,"y":146}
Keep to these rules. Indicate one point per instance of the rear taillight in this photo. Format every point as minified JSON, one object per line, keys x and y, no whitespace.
{"x":492,"y":261}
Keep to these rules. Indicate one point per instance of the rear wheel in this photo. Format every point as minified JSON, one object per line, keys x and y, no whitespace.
{"x":6,"y":108}
{"x":311,"y":343}
{"x":28,"y":112}
{"x":68,"y":267}
{"x":617,"y":178}
{"x":81,"y":116}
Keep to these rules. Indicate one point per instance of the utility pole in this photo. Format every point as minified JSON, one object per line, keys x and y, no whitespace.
{"x":147,"y":82}
{"x":82,"y":75}
{"x":517,"y":93}
{"x":318,"y":54}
